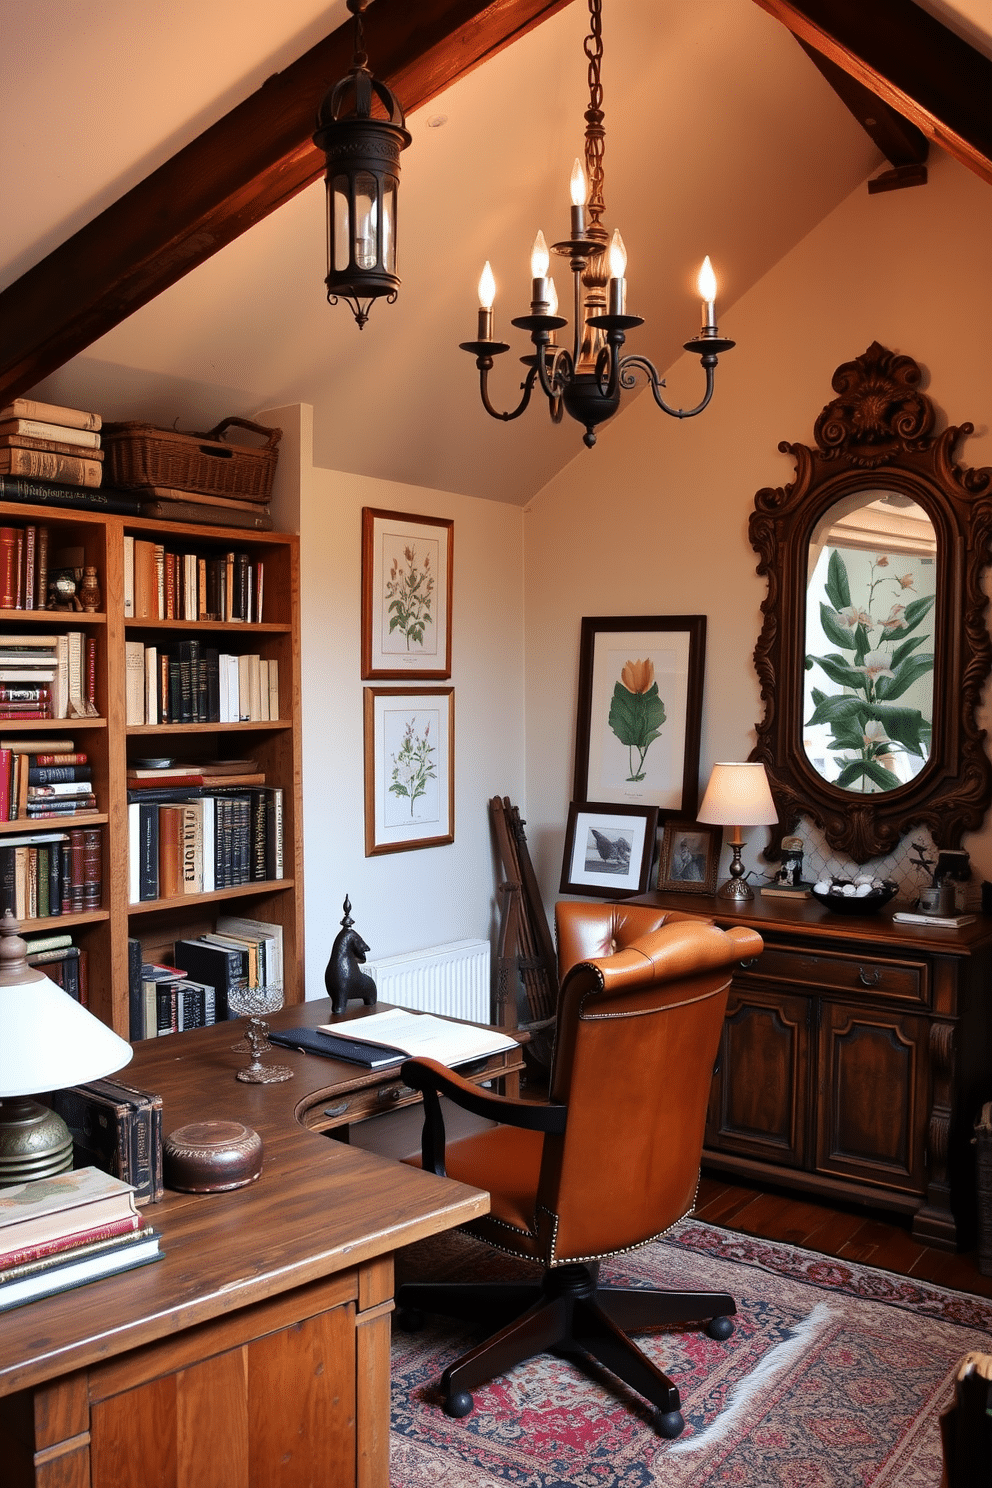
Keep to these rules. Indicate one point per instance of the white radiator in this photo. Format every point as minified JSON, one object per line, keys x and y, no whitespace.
{"x":451,"y":979}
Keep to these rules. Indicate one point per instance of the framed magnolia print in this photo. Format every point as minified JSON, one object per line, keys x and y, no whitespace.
{"x":409,"y":768}
{"x":406,"y":595}
{"x":639,"y":711}
{"x":608,"y":849}
{"x":688,"y":858}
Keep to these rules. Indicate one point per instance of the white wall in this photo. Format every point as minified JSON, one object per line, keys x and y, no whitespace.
{"x":407,"y":900}
{"x":654,"y":519}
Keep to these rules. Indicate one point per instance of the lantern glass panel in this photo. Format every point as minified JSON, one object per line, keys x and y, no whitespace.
{"x":366,"y":220}
{"x":389,"y":225}
{"x":337,"y":224}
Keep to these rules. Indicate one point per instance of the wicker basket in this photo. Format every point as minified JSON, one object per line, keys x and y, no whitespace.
{"x":140,"y":455}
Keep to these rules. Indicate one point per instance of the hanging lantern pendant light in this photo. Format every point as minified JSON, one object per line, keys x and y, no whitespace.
{"x":362,"y":181}
{"x":587,"y":381}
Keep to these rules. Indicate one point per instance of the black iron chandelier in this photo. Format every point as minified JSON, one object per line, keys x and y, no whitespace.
{"x":587,"y":381}
{"x":362,"y":180}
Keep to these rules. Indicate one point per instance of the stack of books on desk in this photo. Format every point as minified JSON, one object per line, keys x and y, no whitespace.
{"x":58,"y":1233}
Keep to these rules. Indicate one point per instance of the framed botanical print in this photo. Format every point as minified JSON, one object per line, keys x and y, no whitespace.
{"x":640,"y":710}
{"x":409,"y":768}
{"x":688,"y":858}
{"x":407,"y":567}
{"x":608,"y":849}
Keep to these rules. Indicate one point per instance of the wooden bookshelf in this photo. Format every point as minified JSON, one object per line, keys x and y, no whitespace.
{"x":110,"y":743}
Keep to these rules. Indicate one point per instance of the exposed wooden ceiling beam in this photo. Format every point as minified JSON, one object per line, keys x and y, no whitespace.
{"x":900,"y":142}
{"x":926,"y":72}
{"x":238,"y":171}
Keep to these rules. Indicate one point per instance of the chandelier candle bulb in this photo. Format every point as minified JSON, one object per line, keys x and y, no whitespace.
{"x":579,"y":191}
{"x":540,"y":262}
{"x":706,"y":284}
{"x":618,"y":268}
{"x":552,"y":308}
{"x":487,"y":294}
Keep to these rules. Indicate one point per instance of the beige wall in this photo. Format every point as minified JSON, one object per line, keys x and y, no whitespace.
{"x":407,"y":900}
{"x":654,"y":519}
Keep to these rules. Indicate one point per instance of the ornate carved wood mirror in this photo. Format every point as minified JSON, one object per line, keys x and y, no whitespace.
{"x":874,"y":647}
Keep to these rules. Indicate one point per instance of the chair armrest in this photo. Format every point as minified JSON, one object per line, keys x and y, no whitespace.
{"x":433,"y":1079}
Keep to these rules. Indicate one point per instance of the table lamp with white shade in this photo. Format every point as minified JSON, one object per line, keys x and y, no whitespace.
{"x":47,"y":1041}
{"x":738,"y":796}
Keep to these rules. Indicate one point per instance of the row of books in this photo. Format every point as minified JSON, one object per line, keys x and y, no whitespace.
{"x":46,"y":442}
{"x":117,"y":1128}
{"x":58,"y":1233}
{"x":191,"y":683}
{"x":43,"y":874}
{"x":48,"y":676}
{"x":201,"y":839}
{"x":202,"y":983}
{"x":38,"y":783}
{"x":65,"y":964}
{"x":162,"y":584}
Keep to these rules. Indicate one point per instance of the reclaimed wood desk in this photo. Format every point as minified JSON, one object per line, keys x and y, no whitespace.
{"x":257,"y":1351}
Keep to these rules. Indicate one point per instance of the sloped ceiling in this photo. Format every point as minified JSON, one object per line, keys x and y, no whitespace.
{"x":722,"y":138}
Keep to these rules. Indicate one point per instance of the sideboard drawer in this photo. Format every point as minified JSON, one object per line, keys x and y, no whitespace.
{"x":904,"y":981}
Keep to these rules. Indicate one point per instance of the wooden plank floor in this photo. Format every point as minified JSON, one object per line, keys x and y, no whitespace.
{"x":854,"y":1234}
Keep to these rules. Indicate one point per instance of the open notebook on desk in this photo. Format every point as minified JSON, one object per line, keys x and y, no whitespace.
{"x":387,"y":1038}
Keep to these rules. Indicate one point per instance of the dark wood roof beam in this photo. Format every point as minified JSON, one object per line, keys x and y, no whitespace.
{"x":925,"y":72}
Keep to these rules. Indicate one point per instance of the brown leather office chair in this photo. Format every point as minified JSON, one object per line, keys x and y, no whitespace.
{"x":610,"y":1162}
{"x":587,"y":930}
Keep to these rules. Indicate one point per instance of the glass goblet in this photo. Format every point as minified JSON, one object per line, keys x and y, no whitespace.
{"x":252,"y":1003}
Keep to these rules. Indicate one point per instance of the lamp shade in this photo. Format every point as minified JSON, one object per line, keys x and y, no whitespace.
{"x":738,"y":796}
{"x":47,"y":1040}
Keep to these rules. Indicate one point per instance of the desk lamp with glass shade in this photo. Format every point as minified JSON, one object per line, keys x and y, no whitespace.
{"x":47,"y":1041}
{"x":737,"y":796}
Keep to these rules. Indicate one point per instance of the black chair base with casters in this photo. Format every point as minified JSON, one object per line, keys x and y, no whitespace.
{"x":566,"y":1312}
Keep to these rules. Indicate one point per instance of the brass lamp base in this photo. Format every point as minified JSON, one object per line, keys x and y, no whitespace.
{"x":34,"y":1142}
{"x":736,"y":887}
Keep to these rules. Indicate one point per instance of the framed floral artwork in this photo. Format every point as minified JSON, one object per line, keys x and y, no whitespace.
{"x":639,"y":711}
{"x":688,"y":858}
{"x":608,"y":849}
{"x":407,"y":567}
{"x":409,"y":768}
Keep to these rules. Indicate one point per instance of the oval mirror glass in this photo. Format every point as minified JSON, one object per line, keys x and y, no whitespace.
{"x":869,"y":643}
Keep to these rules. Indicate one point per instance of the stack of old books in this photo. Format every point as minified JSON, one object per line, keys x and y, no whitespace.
{"x":57,"y":1233}
{"x":45,"y":442}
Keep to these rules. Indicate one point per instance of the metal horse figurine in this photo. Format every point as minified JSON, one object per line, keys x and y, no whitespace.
{"x":344,"y":978}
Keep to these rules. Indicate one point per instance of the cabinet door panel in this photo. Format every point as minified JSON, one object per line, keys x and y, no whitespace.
{"x":759,"y":1099}
{"x":872,"y":1099}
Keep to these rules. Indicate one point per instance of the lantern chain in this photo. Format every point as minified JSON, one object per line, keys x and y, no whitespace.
{"x":595,"y":131}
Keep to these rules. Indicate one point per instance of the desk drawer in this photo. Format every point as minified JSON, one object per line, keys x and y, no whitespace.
{"x":869,"y":975}
{"x":359,"y":1105}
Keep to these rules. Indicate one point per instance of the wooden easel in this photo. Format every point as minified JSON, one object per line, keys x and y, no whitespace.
{"x":525,"y":952}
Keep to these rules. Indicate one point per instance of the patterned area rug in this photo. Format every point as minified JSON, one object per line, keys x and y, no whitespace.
{"x":835,"y":1376}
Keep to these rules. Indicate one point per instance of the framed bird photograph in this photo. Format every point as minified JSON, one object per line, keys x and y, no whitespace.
{"x":608,"y":849}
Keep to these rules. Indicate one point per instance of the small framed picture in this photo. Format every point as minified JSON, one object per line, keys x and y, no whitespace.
{"x":639,"y":711}
{"x":409,"y":768}
{"x":688,"y":858}
{"x":608,"y":849}
{"x":407,"y":567}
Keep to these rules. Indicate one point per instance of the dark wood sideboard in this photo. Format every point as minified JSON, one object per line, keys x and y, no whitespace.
{"x":855,"y":1057}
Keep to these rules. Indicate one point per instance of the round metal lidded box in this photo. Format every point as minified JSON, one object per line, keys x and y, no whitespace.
{"x":211,"y":1157}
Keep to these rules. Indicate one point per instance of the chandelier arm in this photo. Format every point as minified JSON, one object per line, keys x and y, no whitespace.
{"x":609,"y":366}
{"x":484,"y":365}
{"x":554,"y":379}
{"x":628,"y":368}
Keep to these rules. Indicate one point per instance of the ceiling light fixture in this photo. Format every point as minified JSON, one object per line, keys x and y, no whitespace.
{"x":587,"y":381}
{"x":362,"y":179}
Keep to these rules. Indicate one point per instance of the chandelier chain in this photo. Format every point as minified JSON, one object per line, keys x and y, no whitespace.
{"x":595,"y":132}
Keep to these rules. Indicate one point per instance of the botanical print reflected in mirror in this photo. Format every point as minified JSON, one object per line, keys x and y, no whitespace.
{"x":869,"y":663}
{"x":407,"y":566}
{"x":874,"y":647}
{"x":409,"y":768}
{"x":640,"y":701}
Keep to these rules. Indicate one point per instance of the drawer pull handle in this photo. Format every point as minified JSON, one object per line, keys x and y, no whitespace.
{"x":396,"y":1092}
{"x":337,"y":1110}
{"x":869,"y":978}
{"x":751,"y":961}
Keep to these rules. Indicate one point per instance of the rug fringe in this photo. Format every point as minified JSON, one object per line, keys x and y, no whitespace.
{"x":775,"y":1361}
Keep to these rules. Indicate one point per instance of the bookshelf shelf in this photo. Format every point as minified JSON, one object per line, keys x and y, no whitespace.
{"x":111,"y":744}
